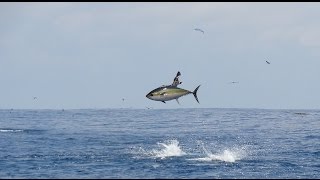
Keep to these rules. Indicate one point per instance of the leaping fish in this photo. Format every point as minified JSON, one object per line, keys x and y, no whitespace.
{"x":170,"y":92}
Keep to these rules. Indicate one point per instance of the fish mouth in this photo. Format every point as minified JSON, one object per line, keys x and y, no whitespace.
{"x":149,"y":95}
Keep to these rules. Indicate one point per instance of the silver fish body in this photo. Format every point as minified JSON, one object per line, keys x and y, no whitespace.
{"x":167,"y":93}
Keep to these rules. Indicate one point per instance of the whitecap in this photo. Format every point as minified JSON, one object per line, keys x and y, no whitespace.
{"x":11,"y":130}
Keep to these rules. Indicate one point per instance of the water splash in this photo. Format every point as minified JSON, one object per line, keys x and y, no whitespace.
{"x":227,"y":155}
{"x":169,"y":149}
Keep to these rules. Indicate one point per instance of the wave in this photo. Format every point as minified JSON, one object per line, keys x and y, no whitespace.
{"x":8,"y":130}
{"x":11,"y":130}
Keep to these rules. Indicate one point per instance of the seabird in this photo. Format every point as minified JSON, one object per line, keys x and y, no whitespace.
{"x":197,"y":29}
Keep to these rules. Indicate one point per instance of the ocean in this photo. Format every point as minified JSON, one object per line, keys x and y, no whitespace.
{"x":180,"y":143}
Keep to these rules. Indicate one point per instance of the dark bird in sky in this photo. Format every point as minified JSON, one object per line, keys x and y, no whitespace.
{"x":35,"y":98}
{"x":233,"y":82}
{"x":197,"y":29}
{"x":268,"y":62}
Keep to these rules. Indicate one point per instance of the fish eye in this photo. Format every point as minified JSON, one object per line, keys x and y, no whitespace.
{"x":151,"y":94}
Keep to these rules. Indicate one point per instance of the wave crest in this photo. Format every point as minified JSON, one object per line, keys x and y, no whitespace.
{"x":11,"y":130}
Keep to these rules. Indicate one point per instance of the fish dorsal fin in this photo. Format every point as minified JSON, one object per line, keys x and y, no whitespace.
{"x":176,"y":81}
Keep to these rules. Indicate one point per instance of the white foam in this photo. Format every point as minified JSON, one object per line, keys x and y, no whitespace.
{"x":11,"y":130}
{"x":169,"y":149}
{"x":227,"y":155}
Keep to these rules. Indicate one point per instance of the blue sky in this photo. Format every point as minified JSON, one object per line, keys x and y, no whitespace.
{"x":91,"y":55}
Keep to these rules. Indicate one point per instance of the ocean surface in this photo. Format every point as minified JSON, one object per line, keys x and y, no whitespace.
{"x":160,"y":143}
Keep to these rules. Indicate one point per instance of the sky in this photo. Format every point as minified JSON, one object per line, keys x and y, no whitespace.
{"x":111,"y":54}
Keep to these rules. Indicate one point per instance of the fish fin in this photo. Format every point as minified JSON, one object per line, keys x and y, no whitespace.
{"x":195,"y":93}
{"x":178,"y":73}
{"x":176,"y":81}
{"x":163,"y":101}
{"x":178,"y":101}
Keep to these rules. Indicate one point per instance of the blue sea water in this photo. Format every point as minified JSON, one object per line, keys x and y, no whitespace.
{"x":160,"y":143}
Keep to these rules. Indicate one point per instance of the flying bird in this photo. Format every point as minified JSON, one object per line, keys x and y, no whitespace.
{"x":268,"y":62}
{"x":197,"y":29}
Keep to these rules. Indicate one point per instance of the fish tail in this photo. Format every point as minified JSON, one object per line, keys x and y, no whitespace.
{"x":195,"y":93}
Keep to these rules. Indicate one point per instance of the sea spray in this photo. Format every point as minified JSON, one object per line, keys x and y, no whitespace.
{"x":226,"y":155}
{"x":169,"y":149}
